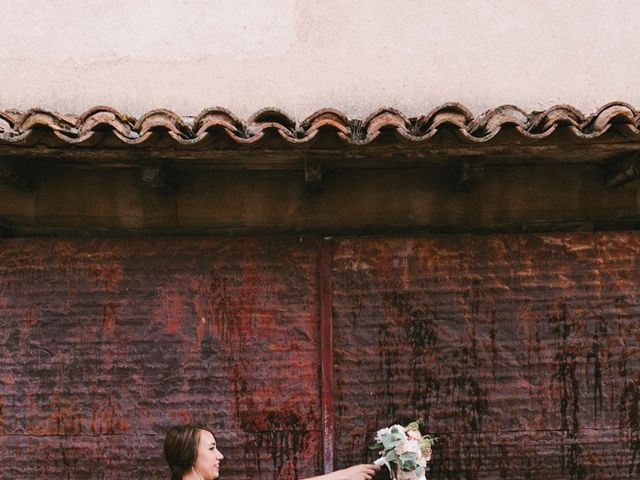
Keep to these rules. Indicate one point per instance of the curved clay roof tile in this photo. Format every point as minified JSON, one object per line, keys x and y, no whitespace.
{"x":36,"y":125}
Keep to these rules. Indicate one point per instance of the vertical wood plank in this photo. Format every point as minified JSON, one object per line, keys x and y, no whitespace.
{"x":326,"y":355}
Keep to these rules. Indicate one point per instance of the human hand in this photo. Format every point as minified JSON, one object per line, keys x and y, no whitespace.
{"x":365,"y":471}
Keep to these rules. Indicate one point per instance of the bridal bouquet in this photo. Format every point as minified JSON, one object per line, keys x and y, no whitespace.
{"x":404,"y":451}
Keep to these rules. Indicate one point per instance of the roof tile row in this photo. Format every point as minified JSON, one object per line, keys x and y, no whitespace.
{"x":89,"y":129}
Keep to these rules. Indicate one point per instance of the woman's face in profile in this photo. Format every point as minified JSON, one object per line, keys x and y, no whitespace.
{"x":208,"y":457}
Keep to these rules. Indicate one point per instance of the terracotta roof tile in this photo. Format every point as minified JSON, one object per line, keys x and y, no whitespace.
{"x":38,"y":126}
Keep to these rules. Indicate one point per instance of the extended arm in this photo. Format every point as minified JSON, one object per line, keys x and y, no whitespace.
{"x":365,"y":471}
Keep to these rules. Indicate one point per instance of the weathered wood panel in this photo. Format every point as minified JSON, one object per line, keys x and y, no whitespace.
{"x":104,"y":343}
{"x":521,"y":352}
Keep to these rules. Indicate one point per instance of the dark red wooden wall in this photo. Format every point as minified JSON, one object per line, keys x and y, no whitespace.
{"x":522,"y":352}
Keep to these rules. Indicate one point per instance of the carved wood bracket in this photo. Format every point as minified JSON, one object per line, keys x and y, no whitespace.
{"x":158,"y":176}
{"x":625,"y":171}
{"x":467,"y":173}
{"x":313,"y":175}
{"x":11,"y":174}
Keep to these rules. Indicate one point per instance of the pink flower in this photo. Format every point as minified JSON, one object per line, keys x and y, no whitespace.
{"x":426,"y":453}
{"x":408,"y":446}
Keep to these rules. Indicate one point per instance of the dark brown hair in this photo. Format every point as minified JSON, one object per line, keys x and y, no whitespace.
{"x":181,"y":448}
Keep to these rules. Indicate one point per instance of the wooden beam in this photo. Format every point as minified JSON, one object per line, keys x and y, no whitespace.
{"x":157,"y":176}
{"x":625,"y":171}
{"x":467,"y":173}
{"x":378,"y":155}
{"x":327,"y":398}
{"x":313,"y":175}
{"x":11,"y":175}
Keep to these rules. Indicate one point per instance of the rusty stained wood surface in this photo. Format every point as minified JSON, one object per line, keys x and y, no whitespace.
{"x":106,"y":343}
{"x":521,"y":352}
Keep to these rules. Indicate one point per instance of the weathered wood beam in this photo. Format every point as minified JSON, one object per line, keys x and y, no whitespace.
{"x":11,"y":175}
{"x":157,"y":176}
{"x":625,"y":171}
{"x":313,"y":175}
{"x":467,"y":173}
{"x":373,"y":156}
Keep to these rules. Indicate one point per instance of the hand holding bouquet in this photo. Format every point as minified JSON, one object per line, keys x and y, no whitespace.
{"x":404,"y":451}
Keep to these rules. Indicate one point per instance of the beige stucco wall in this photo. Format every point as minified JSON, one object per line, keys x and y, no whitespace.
{"x":69,"y":55}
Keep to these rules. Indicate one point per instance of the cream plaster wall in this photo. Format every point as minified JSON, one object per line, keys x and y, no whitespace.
{"x":302,"y":55}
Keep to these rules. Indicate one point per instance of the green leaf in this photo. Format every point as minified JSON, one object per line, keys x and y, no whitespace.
{"x":392,"y":456}
{"x":388,"y":441}
{"x":428,"y":441}
{"x":408,"y":461}
{"x":415,"y":425}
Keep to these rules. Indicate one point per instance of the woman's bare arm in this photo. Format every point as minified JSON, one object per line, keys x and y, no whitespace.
{"x":365,"y":471}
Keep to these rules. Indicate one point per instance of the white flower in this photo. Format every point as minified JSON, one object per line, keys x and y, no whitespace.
{"x":382,"y":431}
{"x":399,"y":427}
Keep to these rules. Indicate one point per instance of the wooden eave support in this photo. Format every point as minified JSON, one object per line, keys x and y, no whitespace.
{"x":157,"y":176}
{"x":467,"y":173}
{"x":11,"y":175}
{"x":313,"y":175}
{"x":625,"y":171}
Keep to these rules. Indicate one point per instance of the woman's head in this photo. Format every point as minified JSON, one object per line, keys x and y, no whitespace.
{"x":192,"y":448}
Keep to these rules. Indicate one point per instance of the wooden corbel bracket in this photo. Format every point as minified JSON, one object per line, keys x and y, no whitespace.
{"x":313,"y":175}
{"x":624,"y":171}
{"x":467,"y":173}
{"x":11,"y":174}
{"x":159,"y":177}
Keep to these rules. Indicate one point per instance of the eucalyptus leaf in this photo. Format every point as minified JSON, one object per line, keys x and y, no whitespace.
{"x":392,"y":456}
{"x":408,"y":460}
{"x":388,"y":441}
{"x":408,"y":465}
